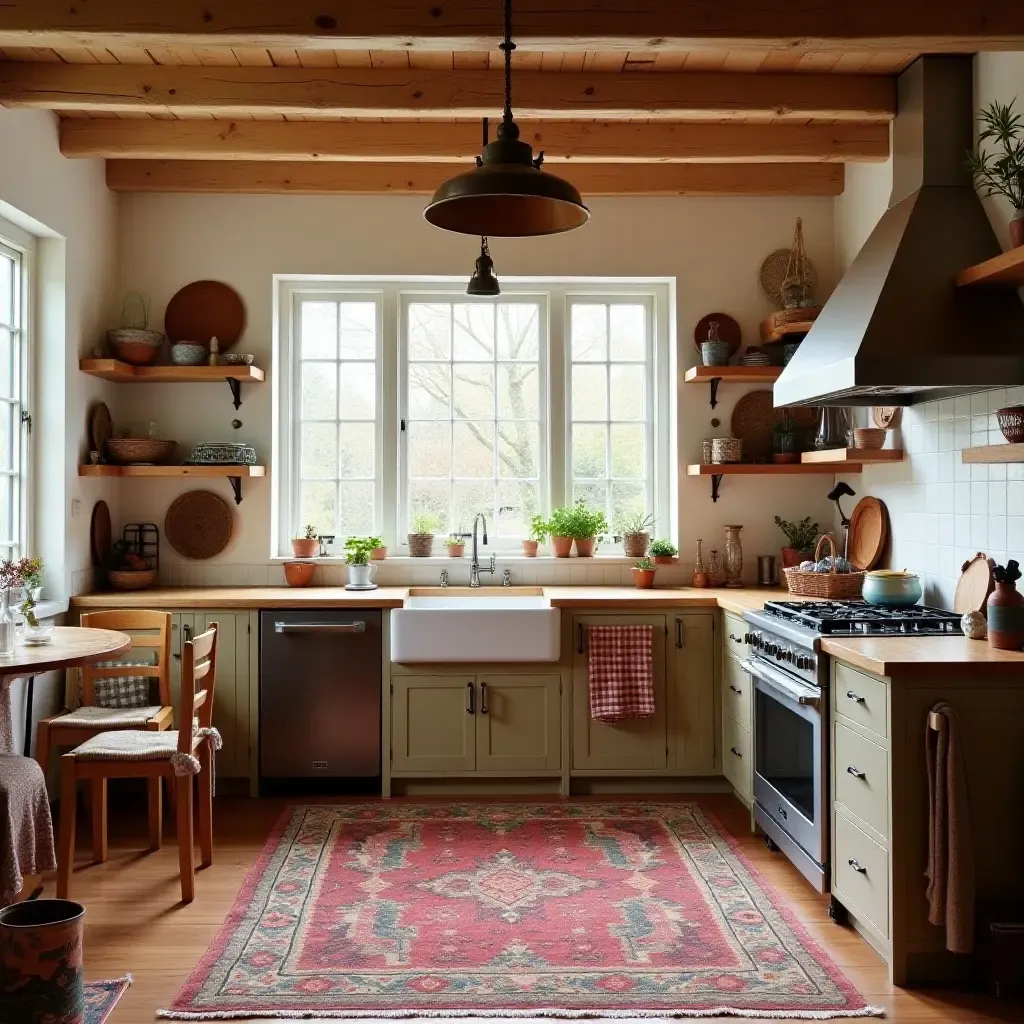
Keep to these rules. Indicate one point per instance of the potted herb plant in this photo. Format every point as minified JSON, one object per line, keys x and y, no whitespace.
{"x":379,"y":552}
{"x":560,"y":528}
{"x":456,"y":545}
{"x":585,"y":526}
{"x":357,"y":557}
{"x":999,"y":170}
{"x":421,"y":535}
{"x":801,"y":537}
{"x":539,"y":531}
{"x":644,"y":571}
{"x":785,"y":439}
{"x":307,"y":545}
{"x":636,"y":533}
{"x":664,"y":552}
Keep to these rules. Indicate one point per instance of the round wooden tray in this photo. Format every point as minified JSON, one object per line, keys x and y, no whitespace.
{"x":869,"y":530}
{"x":752,"y":420}
{"x":203,"y":310}
{"x":198,"y":524}
{"x":101,"y":427}
{"x":728,"y":330}
{"x":100,"y":534}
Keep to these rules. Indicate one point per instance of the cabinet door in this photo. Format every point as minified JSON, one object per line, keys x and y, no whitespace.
{"x":691,"y":693}
{"x":231,"y":709}
{"x":635,"y":744}
{"x":433,"y":723}
{"x":519,"y":724}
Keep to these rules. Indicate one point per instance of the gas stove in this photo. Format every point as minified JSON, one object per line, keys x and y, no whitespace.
{"x":858,"y":618}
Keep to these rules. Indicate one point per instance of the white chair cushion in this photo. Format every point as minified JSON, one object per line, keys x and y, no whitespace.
{"x":106,"y":718}
{"x":128,"y":745}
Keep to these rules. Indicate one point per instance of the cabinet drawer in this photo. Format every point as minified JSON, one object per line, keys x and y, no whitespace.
{"x":737,"y":693}
{"x":734,"y":629}
{"x":862,"y":778}
{"x":736,"y":758}
{"x":862,"y":699}
{"x":860,"y":873}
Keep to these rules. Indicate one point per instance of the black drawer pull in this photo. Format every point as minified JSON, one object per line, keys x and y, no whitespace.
{"x":735,"y":639}
{"x":483,"y":698}
{"x":679,"y":634}
{"x":855,"y":696}
{"x":470,"y":703}
{"x":855,"y":772}
{"x":856,"y":865}
{"x":735,"y":751}
{"x":735,"y":689}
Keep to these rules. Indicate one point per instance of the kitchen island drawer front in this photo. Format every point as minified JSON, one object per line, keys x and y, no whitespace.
{"x":738,"y":758}
{"x":735,"y":629}
{"x":737,"y":693}
{"x":861,"y":698}
{"x":860,"y":874}
{"x":861,"y":773}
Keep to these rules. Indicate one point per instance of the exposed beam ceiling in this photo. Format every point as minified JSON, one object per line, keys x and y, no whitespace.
{"x":933,"y":25}
{"x":433,"y":141}
{"x":385,"y":92}
{"x":592,"y":179}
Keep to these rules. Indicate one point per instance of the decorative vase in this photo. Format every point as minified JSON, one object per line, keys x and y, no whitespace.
{"x":634,"y":545}
{"x":700,"y":576}
{"x":6,"y":625}
{"x":585,"y":547}
{"x":705,"y":451}
{"x":716,"y":572}
{"x":303,"y":547}
{"x":644,"y":578}
{"x":733,"y":557}
{"x":561,"y":546}
{"x":530,"y":548}
{"x":421,"y":545}
{"x":714,"y":351}
{"x":1006,"y":618}
{"x":1017,"y":228}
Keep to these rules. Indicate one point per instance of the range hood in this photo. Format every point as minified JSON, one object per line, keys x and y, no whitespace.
{"x":897,"y":331}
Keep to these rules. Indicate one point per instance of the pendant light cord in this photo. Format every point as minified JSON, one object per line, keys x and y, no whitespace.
{"x":508,"y":46}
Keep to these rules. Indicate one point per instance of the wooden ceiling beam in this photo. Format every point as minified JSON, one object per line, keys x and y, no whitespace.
{"x":308,"y":177}
{"x":644,"y":25}
{"x":408,"y":92}
{"x":459,"y":141}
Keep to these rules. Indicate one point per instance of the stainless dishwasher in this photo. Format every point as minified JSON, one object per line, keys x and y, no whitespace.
{"x":320,"y":698}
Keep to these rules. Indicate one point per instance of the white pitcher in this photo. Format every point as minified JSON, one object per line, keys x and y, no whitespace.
{"x":361,"y":575}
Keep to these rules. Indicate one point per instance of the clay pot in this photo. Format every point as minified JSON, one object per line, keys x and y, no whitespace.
{"x":585,"y":547}
{"x":634,"y":545}
{"x":644,"y":578}
{"x":1006,"y":618}
{"x":303,"y":548}
{"x":561,"y":546}
{"x":785,"y":458}
{"x":1017,"y":229}
{"x":378,"y":554}
{"x":790,"y":558}
{"x":299,"y":574}
{"x":530,"y":548}
{"x":421,"y":545}
{"x":664,"y":559}
{"x":456,"y":550}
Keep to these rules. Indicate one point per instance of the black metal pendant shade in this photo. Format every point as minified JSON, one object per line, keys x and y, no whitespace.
{"x":483,"y":282}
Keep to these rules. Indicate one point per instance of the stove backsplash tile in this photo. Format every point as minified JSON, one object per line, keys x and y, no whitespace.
{"x":941,"y":511}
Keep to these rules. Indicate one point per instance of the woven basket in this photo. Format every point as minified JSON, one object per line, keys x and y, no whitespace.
{"x":131,"y":579}
{"x":1011,"y":423}
{"x":130,"y":451}
{"x":726,"y":449}
{"x":830,"y":586}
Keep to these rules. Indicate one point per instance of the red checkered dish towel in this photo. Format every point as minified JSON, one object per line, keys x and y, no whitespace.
{"x":621,"y":672}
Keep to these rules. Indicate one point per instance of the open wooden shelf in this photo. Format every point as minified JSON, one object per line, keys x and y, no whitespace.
{"x":233,"y":474}
{"x":843,"y":456}
{"x":779,"y":326}
{"x":1003,"y":271}
{"x":125,"y":373}
{"x":715,"y":375}
{"x":994,"y":453}
{"x":717,"y":470}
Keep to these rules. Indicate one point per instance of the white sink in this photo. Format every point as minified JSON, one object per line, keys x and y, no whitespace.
{"x":485,"y":625}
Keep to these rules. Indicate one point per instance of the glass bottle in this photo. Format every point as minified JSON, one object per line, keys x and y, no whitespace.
{"x":716,"y":573}
{"x":6,"y":625}
{"x":733,"y":557}
{"x":700,"y":576}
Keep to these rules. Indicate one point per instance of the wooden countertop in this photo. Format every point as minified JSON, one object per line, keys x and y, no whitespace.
{"x":888,"y":655}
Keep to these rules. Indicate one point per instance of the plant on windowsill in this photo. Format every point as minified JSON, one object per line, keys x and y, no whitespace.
{"x":559,"y":527}
{"x":1001,"y":172}
{"x":635,"y":529}
{"x":586,"y":525}
{"x":378,"y":552}
{"x":539,"y":532}
{"x":644,"y":571}
{"x":421,"y":535}
{"x":307,"y":545}
{"x":456,"y":545}
{"x":664,"y":552}
{"x":358,"y":551}
{"x":801,"y":537}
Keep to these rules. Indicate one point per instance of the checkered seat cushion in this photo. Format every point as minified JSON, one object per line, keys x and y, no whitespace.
{"x":106,"y":718}
{"x":122,"y":691}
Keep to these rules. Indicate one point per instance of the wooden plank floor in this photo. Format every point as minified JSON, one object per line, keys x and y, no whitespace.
{"x":136,"y":924}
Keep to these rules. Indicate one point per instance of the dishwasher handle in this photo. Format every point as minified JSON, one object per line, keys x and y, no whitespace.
{"x":319,"y":627}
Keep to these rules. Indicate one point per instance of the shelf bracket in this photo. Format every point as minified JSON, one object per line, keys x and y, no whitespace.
{"x":236,"y":392}
{"x":236,"y":486}
{"x":715,"y":381}
{"x":716,"y":482}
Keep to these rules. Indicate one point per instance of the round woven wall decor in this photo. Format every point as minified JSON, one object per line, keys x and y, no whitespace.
{"x":198,"y":524}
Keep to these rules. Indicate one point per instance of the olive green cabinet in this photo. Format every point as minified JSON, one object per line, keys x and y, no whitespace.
{"x":433,"y":723}
{"x":519,"y":723}
{"x":692,"y":726}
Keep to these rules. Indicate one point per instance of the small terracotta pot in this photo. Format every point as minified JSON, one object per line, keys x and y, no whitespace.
{"x":785,"y":458}
{"x":790,"y":558}
{"x":634,"y":545}
{"x":378,"y":554}
{"x":585,"y":547}
{"x":1017,"y":229}
{"x":644,"y":578}
{"x":299,"y":574}
{"x":664,"y":559}
{"x":421,"y":545}
{"x":456,"y":550}
{"x":561,"y":546}
{"x":1005,"y":610}
{"x":530,"y":548}
{"x":302,"y":548}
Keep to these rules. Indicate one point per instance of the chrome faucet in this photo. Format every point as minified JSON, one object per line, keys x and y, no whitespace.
{"x":474,"y":565}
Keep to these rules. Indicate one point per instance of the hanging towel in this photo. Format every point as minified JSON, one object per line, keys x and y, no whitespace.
{"x":621,"y":672}
{"x":950,"y":872}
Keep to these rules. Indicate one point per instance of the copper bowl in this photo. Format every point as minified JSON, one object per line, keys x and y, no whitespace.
{"x":299,"y":574}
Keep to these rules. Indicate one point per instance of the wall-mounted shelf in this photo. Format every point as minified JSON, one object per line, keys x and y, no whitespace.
{"x":233,"y":474}
{"x":1003,"y":271}
{"x":842,"y":456}
{"x":993,"y":453}
{"x":715,"y":375}
{"x":717,"y":470}
{"x":124,"y":373}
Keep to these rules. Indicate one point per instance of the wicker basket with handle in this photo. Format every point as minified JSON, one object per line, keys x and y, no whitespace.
{"x":830,"y":586}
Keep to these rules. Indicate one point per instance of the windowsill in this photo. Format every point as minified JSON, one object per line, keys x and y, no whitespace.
{"x":444,"y":560}
{"x":50,"y":609}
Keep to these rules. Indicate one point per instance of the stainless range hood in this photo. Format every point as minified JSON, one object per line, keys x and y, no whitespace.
{"x":897,"y":331}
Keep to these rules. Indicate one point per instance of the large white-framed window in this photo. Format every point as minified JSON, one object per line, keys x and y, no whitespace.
{"x":403,"y":397}
{"x":15,"y":391}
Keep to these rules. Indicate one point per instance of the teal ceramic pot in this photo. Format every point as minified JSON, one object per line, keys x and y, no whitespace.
{"x":893,"y":589}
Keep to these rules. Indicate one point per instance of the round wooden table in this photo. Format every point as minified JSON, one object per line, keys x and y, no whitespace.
{"x":70,"y":647}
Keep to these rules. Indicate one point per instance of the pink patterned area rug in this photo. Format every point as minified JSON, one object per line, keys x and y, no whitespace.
{"x":102,"y":996}
{"x":396,"y":909}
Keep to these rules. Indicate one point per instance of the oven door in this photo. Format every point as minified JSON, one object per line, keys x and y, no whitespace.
{"x":791,"y":757}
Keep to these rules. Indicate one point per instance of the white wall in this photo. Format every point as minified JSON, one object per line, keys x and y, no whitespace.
{"x":712,"y":246}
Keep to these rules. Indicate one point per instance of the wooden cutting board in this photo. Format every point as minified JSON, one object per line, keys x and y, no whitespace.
{"x":100,"y":534}
{"x":975,"y":584}
{"x":869,"y":529}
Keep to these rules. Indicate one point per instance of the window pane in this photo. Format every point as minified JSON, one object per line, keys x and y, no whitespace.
{"x":358,"y":391}
{"x":474,"y":331}
{"x":8,"y":362}
{"x":518,"y":503}
{"x":356,"y":443}
{"x":589,"y":392}
{"x":319,"y":391}
{"x":430,"y":449}
{"x":430,"y":391}
{"x":358,"y":330}
{"x":432,"y":498}
{"x":430,"y":330}
{"x":518,"y":331}
{"x":519,"y":450}
{"x":627,"y":442}
{"x":6,"y":508}
{"x":357,"y":513}
{"x":589,"y":457}
{"x":628,"y":391}
{"x":589,"y":332}
{"x":627,"y":499}
{"x":474,"y":449}
{"x":7,"y":278}
{"x":318,"y":507}
{"x":472,"y":497}
{"x":319,"y":460}
{"x":518,"y":391}
{"x":594,"y":495}
{"x":628,"y":331}
{"x":473,"y":391}
{"x":319,"y":330}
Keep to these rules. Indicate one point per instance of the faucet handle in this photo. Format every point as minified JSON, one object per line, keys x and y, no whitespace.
{"x":493,"y":561}
{"x":444,"y":577}
{"x":506,"y":578}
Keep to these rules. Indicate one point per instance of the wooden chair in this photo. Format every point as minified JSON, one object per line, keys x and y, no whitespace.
{"x":154,"y":756}
{"x":151,"y":631}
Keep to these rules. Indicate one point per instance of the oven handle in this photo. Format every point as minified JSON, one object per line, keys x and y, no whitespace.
{"x":805,"y":696}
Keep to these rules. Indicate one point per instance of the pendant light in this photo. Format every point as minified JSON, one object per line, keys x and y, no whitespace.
{"x":483,"y":281}
{"x":507,"y":194}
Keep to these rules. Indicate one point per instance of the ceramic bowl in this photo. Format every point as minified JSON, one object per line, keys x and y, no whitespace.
{"x":135,"y":346}
{"x":299,"y":574}
{"x":189,"y":353}
{"x":892,"y":588}
{"x":238,"y":359}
